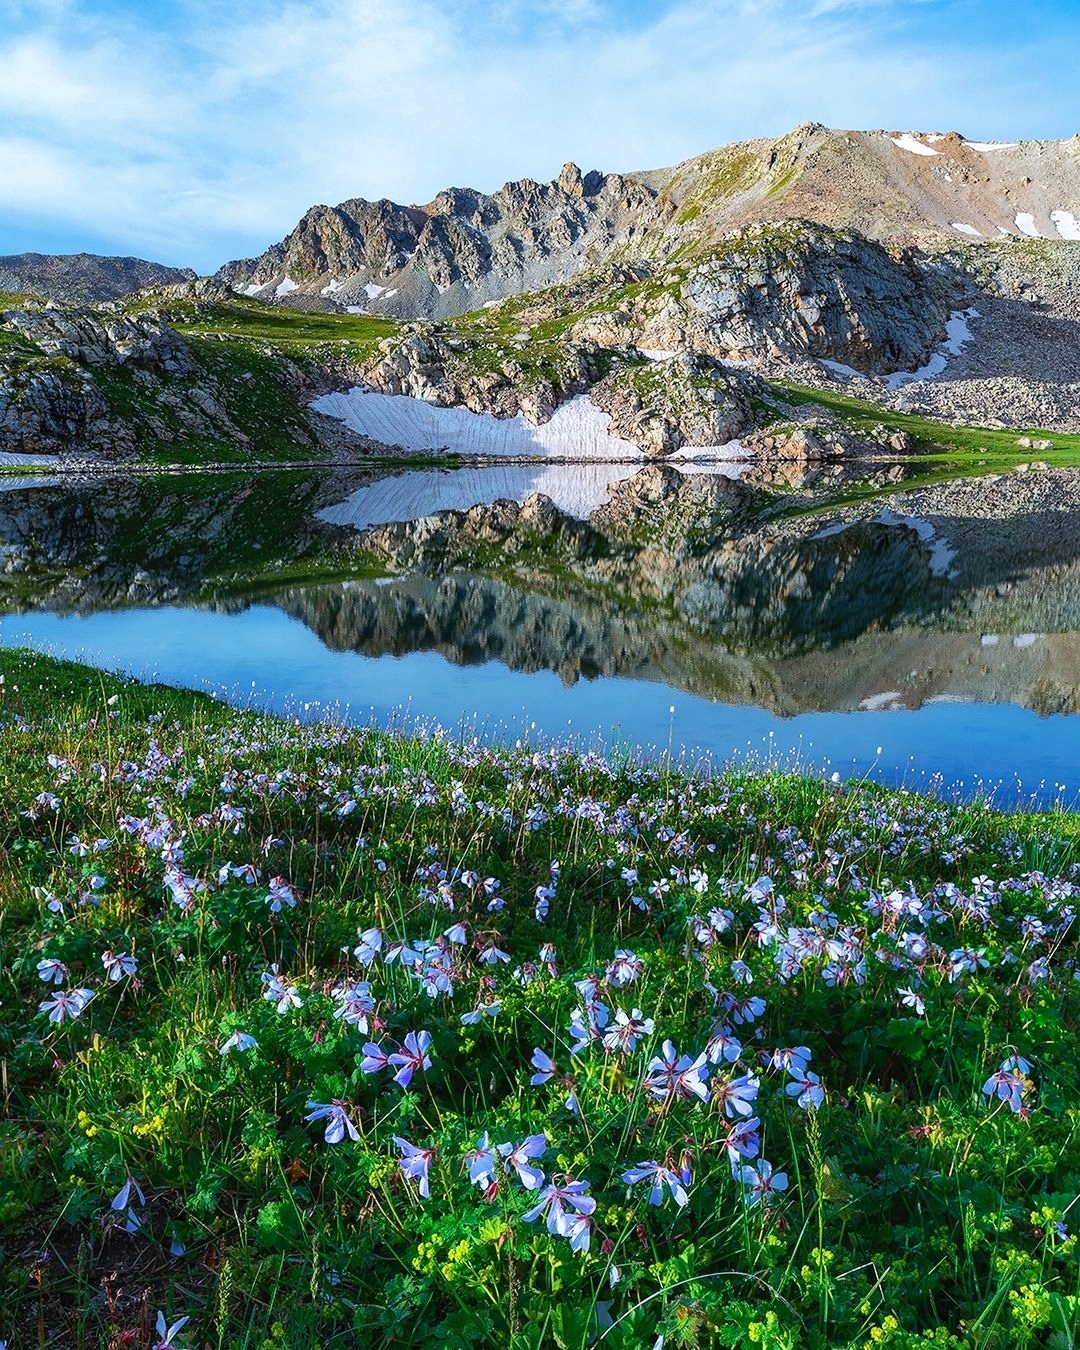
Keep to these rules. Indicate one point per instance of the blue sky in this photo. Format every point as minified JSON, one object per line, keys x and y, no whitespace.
{"x":197,"y":131}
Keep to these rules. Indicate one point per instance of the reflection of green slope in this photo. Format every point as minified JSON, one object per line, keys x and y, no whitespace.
{"x":108,"y":543}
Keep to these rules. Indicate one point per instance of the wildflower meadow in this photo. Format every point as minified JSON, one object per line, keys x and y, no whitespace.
{"x":321,"y":1036}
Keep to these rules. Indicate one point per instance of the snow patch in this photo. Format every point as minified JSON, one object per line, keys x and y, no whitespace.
{"x":655,"y":354}
{"x":957,"y":330}
{"x":254,"y":288}
{"x":285,"y":286}
{"x":942,"y":552}
{"x":879,"y":702}
{"x":331,"y":287}
{"x":989,"y":640}
{"x":838,"y":368}
{"x":1025,"y":223}
{"x":372,"y":291}
{"x":9,"y":459}
{"x":966,"y":229}
{"x":1023,"y":640}
{"x":985,"y":147}
{"x":908,"y":142}
{"x":578,"y":429}
{"x":1066,"y":224}
{"x":957,"y":336}
{"x":355,"y":309}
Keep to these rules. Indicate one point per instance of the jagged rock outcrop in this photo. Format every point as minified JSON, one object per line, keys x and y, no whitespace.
{"x":686,"y":400}
{"x":803,"y":290}
{"x":98,"y":338}
{"x":51,"y":402}
{"x":49,"y":411}
{"x":82,"y":278}
{"x":503,"y":377}
{"x":787,"y":291}
{"x":458,"y":252}
{"x":96,"y":383}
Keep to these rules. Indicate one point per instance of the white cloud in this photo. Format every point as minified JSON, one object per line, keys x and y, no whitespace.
{"x":204,"y":133}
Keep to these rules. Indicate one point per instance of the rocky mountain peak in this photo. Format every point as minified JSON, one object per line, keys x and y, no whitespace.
{"x":570,"y":180}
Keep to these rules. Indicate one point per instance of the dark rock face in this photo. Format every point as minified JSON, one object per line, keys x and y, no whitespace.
{"x":804,"y":290}
{"x":82,"y":278}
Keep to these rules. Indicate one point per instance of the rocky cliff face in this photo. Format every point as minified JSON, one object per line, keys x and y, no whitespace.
{"x":802,"y":290}
{"x":786,"y":291}
{"x":454,"y":254}
{"x":97,"y":383}
{"x":82,"y":278}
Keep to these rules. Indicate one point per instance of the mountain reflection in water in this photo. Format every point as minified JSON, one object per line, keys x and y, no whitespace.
{"x":788,"y":623}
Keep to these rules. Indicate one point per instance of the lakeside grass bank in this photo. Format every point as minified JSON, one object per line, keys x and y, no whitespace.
{"x":326,"y":1036}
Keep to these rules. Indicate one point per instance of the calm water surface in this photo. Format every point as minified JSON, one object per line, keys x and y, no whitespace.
{"x":874,"y":667}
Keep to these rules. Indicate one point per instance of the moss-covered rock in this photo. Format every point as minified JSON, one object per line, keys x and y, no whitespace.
{"x":686,"y":400}
{"x":486,"y":372}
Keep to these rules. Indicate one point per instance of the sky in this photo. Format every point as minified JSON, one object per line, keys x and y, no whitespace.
{"x":196,"y":131}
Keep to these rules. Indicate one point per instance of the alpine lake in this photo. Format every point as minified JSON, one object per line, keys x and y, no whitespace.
{"x":826,"y":628}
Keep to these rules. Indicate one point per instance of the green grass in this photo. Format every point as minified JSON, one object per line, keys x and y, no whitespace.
{"x":918,"y":1211}
{"x":282,"y":325}
{"x":930,"y":435}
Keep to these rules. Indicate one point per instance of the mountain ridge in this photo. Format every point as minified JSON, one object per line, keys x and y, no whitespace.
{"x":465,"y":249}
{"x":85,"y":278}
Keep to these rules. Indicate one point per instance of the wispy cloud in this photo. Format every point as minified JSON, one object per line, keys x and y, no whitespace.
{"x":201,"y":131}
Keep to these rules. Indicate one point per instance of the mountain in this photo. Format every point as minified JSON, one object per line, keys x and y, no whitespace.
{"x":467,"y":248}
{"x":918,"y":272}
{"x":82,"y":278}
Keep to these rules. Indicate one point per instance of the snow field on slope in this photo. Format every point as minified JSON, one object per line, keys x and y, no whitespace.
{"x":577,"y":430}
